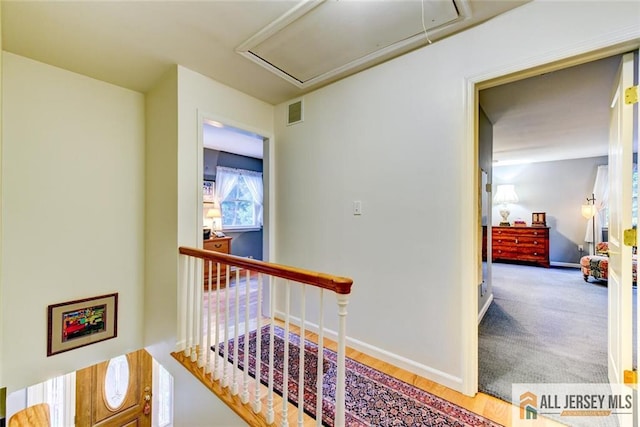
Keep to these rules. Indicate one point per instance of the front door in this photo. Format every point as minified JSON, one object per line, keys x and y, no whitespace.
{"x":620,"y":191}
{"x":115,"y":393}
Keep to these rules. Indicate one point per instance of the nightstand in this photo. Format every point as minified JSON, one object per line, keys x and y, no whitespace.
{"x":216,"y":244}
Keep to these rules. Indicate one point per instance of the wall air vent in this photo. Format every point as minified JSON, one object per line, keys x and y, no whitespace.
{"x":294,"y":113}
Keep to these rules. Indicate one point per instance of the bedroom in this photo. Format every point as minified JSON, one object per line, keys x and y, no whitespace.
{"x":547,"y":137}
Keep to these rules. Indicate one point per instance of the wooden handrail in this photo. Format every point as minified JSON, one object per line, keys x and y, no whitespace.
{"x":340,"y":285}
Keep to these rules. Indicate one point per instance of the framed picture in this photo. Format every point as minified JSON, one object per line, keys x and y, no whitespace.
{"x":538,"y":219}
{"x":208,"y":191}
{"x":81,"y":322}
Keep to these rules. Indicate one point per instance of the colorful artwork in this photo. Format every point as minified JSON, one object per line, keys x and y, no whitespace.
{"x":77,"y":324}
{"x":74,"y":324}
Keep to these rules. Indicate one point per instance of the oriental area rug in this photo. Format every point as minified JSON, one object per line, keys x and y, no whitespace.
{"x":372,"y":397}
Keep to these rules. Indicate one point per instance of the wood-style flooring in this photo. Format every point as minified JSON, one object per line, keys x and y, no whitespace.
{"x":482,"y":404}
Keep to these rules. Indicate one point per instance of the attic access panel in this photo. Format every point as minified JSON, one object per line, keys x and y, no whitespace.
{"x":318,"y":40}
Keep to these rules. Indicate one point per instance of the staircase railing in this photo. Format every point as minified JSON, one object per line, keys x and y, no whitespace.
{"x":235,"y":297}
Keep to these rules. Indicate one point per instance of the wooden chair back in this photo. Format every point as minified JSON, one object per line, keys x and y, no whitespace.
{"x":33,"y":416}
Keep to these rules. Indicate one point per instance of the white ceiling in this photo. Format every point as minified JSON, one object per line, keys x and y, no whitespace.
{"x":558,"y":115}
{"x":132,"y":43}
{"x":232,"y":140}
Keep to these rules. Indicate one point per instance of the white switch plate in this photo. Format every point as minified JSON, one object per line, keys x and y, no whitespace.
{"x":357,"y":207}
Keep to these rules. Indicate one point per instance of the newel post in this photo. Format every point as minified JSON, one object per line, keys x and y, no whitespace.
{"x":343,"y":300}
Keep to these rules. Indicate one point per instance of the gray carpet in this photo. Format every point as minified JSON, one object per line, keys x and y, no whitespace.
{"x":544,"y":326}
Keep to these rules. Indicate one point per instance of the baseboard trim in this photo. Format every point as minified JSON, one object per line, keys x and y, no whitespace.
{"x":564,"y":264}
{"x":412,"y":366}
{"x":485,"y":307}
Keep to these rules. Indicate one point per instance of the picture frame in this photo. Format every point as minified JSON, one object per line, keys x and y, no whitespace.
{"x":78,"y":323}
{"x":538,"y":219}
{"x":208,"y":191}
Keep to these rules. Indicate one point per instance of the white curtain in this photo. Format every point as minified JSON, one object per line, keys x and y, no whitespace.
{"x":226,"y":179}
{"x":254,"y":183}
{"x":601,"y":193}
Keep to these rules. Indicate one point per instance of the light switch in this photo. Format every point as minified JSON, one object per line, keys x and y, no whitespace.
{"x":357,"y":207}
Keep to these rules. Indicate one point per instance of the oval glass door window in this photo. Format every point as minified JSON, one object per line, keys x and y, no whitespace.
{"x":116,"y":381}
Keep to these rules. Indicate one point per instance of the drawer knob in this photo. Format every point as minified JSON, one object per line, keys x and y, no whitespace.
{"x":218,"y":245}
{"x":535,"y":242}
{"x":535,"y":253}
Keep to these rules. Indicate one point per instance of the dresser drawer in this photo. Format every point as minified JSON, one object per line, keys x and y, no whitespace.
{"x":504,"y":241}
{"x":505,"y":253}
{"x":530,"y":252}
{"x":217,"y":245}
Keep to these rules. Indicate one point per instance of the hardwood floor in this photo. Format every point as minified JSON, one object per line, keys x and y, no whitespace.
{"x":487,"y":406}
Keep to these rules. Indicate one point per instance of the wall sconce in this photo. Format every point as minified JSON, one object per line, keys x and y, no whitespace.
{"x":506,"y":194}
{"x":589,"y":211}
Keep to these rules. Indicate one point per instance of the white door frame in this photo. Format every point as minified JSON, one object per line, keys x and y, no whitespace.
{"x":594,"y":49}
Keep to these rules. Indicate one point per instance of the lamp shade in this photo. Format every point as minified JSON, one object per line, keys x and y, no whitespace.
{"x":216,"y":218}
{"x":214,"y":213}
{"x":588,"y":211}
{"x":506,"y":194}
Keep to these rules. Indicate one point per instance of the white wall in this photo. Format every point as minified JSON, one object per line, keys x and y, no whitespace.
{"x":72,"y":211}
{"x":558,"y":188}
{"x":174,"y":171}
{"x":396,"y":137}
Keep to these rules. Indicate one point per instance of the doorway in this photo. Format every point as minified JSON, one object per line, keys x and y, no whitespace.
{"x":235,"y":191}
{"x":500,"y":80}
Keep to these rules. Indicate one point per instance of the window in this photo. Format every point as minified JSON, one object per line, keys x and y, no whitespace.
{"x":60,"y":394}
{"x":162,"y":396}
{"x":239,"y":194}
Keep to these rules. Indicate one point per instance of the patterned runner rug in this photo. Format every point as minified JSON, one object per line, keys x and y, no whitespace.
{"x":372,"y":397}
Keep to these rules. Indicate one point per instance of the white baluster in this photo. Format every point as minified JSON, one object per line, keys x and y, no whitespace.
{"x":320,"y":373}
{"x":198,"y":298}
{"x":209,"y":310}
{"x":257,"y":403}
{"x":301,"y":358}
{"x":245,"y":379}
{"x":272,"y":306}
{"x":343,"y":300}
{"x":285,"y":369}
{"x":189,"y":312}
{"x":234,"y":387}
{"x":225,"y":363}
{"x":195,"y":312}
{"x":216,"y":358}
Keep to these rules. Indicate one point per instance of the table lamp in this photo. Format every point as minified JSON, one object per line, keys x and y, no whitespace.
{"x":215,"y":214}
{"x":506,"y":194}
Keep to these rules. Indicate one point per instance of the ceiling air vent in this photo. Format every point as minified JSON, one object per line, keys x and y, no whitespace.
{"x":294,"y":113}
